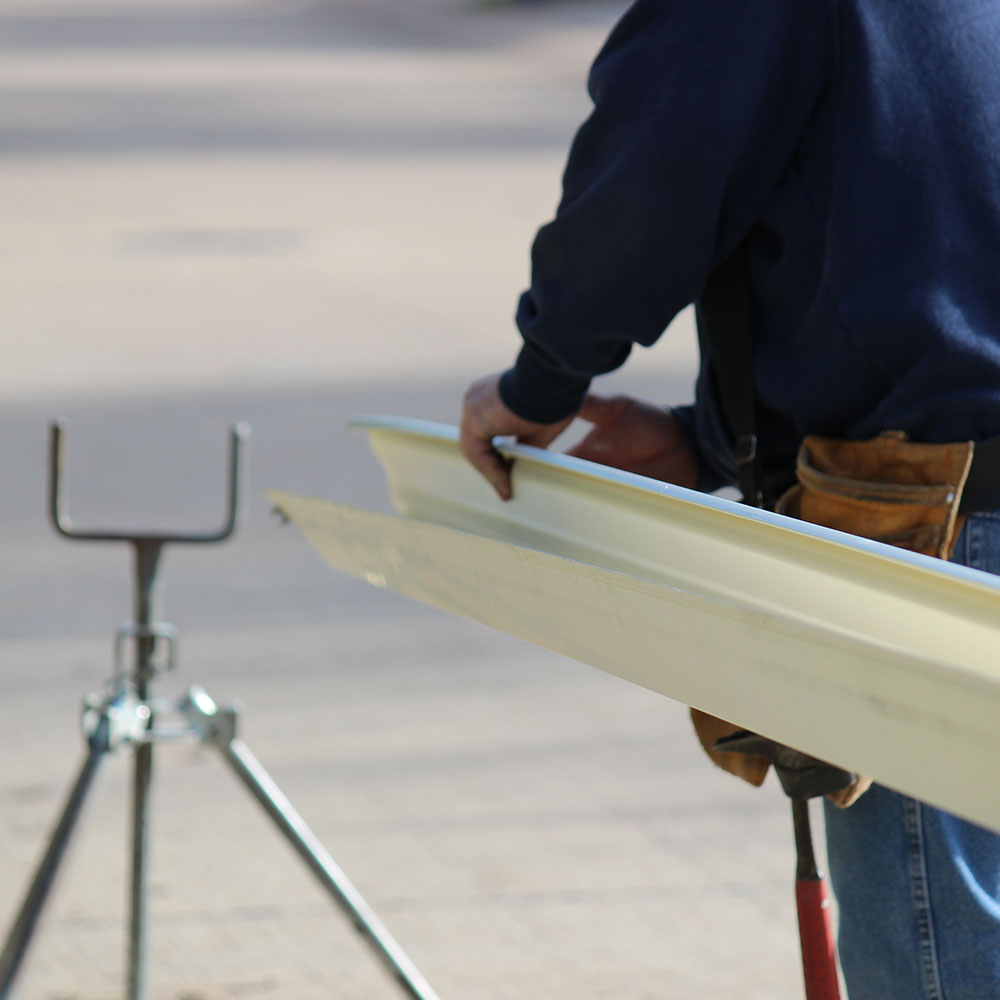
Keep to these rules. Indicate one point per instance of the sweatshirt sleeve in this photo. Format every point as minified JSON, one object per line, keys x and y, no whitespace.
{"x":698,"y":108}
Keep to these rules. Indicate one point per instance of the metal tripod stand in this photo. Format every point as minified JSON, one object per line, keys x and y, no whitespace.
{"x":127,"y":716}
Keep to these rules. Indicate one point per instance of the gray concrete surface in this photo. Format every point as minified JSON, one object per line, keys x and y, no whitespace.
{"x":287,"y":213}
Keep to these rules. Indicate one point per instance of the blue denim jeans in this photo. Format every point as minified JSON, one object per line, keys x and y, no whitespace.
{"x":918,"y":888}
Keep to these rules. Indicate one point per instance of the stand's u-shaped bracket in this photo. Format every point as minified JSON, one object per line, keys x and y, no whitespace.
{"x":238,"y":436}
{"x":147,"y":545}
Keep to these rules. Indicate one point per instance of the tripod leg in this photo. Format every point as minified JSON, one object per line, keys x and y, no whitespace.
{"x":305,"y":842}
{"x":141,"y":786}
{"x":21,"y":933}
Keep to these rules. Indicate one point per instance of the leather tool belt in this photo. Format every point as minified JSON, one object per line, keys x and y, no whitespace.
{"x":889,"y":489}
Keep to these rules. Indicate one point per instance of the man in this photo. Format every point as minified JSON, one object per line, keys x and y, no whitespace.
{"x":852,"y":148}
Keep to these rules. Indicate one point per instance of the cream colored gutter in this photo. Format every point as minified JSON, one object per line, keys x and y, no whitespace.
{"x":878,"y":660}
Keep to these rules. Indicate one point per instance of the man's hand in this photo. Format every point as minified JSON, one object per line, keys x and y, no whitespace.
{"x":484,"y":417}
{"x":637,"y":437}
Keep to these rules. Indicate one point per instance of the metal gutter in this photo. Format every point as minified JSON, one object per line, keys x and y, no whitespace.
{"x":876,"y":659}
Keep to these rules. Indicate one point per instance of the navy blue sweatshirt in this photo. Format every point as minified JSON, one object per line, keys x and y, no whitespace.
{"x":856,"y":144}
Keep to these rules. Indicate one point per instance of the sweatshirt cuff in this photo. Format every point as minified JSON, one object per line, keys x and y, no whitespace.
{"x":535,"y":392}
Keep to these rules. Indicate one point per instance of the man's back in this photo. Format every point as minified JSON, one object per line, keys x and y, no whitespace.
{"x":878,"y":261}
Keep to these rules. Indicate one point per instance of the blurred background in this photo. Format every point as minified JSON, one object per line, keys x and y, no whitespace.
{"x":289,"y":213}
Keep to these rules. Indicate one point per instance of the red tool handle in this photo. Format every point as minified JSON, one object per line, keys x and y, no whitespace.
{"x":819,"y":954}
{"x":819,"y":960}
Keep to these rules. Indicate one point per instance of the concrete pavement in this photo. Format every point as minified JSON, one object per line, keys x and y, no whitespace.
{"x":289,"y":213}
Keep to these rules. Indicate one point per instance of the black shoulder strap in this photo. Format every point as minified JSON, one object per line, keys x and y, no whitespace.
{"x":726,"y":310}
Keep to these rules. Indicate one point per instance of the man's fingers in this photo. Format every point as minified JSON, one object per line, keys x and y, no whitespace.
{"x":488,"y":462}
{"x":485,"y":416}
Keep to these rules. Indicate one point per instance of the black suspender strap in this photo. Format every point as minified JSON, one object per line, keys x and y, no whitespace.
{"x":728,"y":334}
{"x":726,"y":311}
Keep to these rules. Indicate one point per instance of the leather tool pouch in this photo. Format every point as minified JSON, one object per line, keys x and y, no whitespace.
{"x":887,"y":489}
